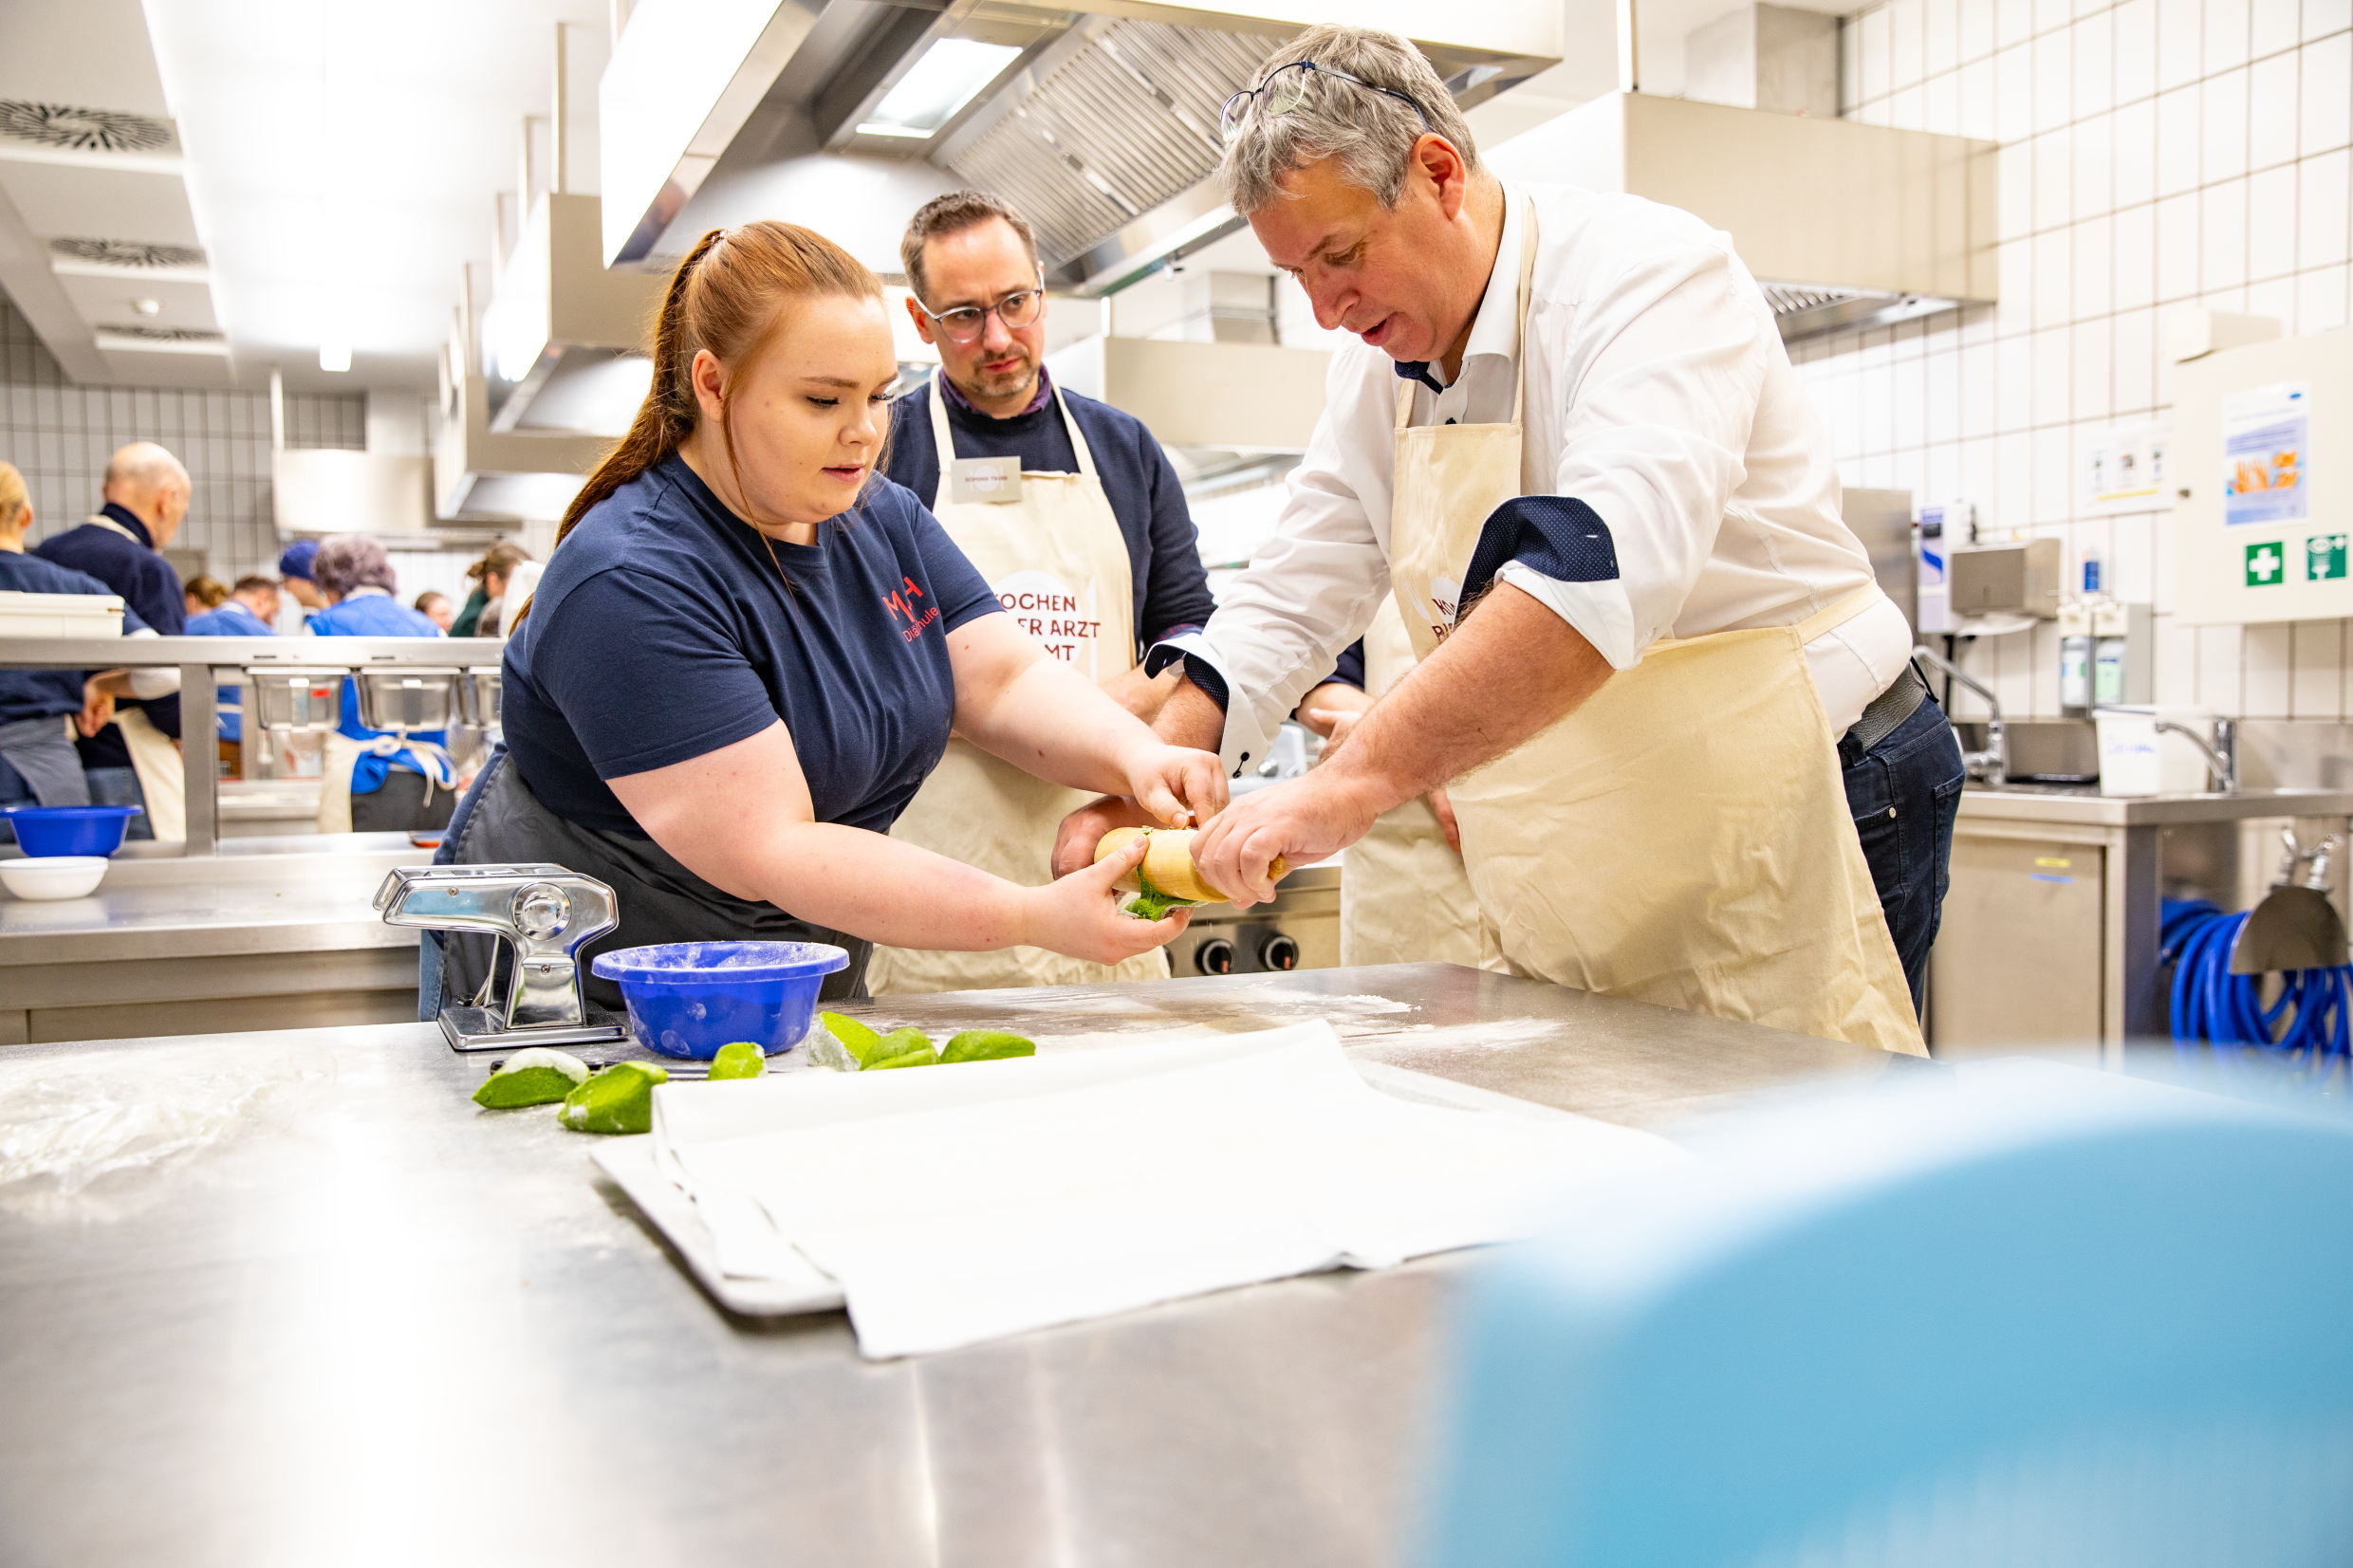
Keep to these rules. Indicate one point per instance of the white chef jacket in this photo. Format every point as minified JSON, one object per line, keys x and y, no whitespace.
{"x":1658,"y":395}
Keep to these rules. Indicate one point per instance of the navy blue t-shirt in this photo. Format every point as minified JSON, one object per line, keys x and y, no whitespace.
{"x":46,"y":694}
{"x":663,"y":632}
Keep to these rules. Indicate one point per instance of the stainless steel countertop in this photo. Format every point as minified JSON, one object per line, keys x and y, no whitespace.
{"x":2089,"y":808}
{"x":269,"y":900}
{"x":384,"y":1326}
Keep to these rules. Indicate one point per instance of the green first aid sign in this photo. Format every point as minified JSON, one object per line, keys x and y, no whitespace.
{"x":2323,"y":557}
{"x":2267,"y":564}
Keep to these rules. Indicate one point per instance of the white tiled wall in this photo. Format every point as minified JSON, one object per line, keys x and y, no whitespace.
{"x":2155,"y":155}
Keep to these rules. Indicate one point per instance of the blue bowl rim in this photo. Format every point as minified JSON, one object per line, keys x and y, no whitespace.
{"x":67,"y":813}
{"x":616,"y":965}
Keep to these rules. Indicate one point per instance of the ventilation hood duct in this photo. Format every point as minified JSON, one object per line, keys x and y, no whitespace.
{"x":486,"y":476}
{"x":1100,"y":126}
{"x":563,"y":340}
{"x":1846,"y":225}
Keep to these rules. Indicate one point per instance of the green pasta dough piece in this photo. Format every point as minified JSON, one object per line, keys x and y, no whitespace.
{"x":534,"y":1076}
{"x":619,"y":1100}
{"x":741,"y":1060}
{"x":986,"y":1045}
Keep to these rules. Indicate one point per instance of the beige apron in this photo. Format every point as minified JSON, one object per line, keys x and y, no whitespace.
{"x":1404,"y":896}
{"x":1058,"y":563}
{"x":163,"y":773}
{"x":1683,"y":836}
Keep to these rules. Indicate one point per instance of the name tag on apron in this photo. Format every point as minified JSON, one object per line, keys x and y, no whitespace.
{"x":992,"y":479}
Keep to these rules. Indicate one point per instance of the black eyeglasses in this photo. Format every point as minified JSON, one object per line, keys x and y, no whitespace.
{"x":966,"y":323}
{"x":1285,"y":87}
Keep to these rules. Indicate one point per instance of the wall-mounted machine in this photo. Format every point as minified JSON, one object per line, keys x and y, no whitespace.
{"x":2263,"y":506}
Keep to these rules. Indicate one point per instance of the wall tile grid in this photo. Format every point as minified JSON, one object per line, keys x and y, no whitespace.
{"x":2155,"y":155}
{"x":59,"y":435}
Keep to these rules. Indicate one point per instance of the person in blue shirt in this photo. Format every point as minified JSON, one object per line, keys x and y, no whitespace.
{"x":135,"y":760}
{"x":42,"y":709}
{"x":249,"y":611}
{"x":294,"y":573}
{"x":749,"y":648}
{"x":375,"y":781}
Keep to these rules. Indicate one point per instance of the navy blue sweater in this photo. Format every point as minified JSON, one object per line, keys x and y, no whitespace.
{"x":132,"y":568}
{"x":1171,"y":589}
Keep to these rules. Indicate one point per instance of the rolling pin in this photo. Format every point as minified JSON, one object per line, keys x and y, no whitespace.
{"x":1168,"y":863}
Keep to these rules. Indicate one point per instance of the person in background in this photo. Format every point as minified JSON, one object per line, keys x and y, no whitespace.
{"x":1093,"y":552}
{"x":294,"y":571}
{"x":38,"y":707}
{"x":250,"y":610}
{"x":135,"y":760}
{"x":489,"y":574}
{"x":375,"y":781}
{"x":201,"y":593}
{"x":436,"y":608}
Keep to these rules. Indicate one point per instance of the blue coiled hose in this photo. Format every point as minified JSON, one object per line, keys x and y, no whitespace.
{"x":2311,"y":1019}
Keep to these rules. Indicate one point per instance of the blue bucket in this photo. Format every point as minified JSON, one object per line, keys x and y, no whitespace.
{"x":70,"y":829}
{"x":687,"y":999}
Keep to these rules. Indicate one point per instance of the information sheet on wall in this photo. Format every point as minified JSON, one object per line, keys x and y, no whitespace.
{"x":2266,"y":443}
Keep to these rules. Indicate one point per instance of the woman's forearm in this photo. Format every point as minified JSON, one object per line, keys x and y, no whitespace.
{"x":1053,"y":722}
{"x":867,"y":884}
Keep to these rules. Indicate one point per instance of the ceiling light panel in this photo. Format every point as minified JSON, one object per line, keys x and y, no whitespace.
{"x":945,"y":78}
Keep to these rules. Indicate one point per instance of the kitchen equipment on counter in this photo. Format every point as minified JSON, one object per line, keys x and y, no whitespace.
{"x":480,"y":694}
{"x":687,"y":999}
{"x":297,"y":702}
{"x":71,"y":830}
{"x":53,"y":876}
{"x":541,"y":915}
{"x":408,"y":701}
{"x":1300,"y":929}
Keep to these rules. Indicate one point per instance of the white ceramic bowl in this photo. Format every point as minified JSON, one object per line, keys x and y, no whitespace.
{"x":52,"y":875}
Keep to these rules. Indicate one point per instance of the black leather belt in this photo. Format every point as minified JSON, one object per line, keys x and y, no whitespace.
{"x":1885,"y":716}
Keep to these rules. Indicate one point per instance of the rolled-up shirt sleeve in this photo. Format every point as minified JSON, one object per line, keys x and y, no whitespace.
{"x":1665,"y":363}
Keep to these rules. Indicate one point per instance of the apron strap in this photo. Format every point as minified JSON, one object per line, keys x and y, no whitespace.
{"x":1078,"y":442}
{"x":942,"y":437}
{"x":1839,"y":613}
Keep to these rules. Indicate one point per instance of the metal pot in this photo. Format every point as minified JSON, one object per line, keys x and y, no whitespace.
{"x":297,"y":701}
{"x":408,"y":700}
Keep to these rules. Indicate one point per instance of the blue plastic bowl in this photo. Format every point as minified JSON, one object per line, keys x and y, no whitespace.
{"x":70,"y":829}
{"x":687,"y":999}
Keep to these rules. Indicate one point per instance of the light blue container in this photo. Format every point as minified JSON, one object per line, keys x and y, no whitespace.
{"x":70,"y":829}
{"x":687,"y":999}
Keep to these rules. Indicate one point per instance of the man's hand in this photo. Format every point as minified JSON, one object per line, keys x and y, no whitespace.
{"x":98,"y":703}
{"x":1303,"y":820}
{"x":1075,"y":841}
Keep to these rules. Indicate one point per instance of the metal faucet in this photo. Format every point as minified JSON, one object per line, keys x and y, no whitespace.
{"x":1991,"y":765}
{"x":2221,"y":754}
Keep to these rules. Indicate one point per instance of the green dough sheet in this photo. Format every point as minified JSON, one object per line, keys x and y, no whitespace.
{"x":619,"y":1100}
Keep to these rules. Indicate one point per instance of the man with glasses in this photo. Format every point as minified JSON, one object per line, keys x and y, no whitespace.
{"x":1070,"y":510}
{"x":1687,"y":755}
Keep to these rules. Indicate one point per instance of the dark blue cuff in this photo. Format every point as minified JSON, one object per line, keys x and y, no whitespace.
{"x":1557,"y":536}
{"x":1350,"y":670}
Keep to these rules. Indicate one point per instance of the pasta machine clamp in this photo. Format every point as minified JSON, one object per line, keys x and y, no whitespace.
{"x":542,"y":917}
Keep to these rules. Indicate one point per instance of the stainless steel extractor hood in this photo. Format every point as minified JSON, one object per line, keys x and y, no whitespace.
{"x":564,"y":339}
{"x":1099,"y":122}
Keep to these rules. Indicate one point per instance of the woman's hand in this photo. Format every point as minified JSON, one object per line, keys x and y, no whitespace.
{"x":1079,"y":915}
{"x":97,"y":704}
{"x":1179,"y":786}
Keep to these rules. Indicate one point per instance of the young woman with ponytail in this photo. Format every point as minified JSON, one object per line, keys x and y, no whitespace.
{"x":749,"y":649}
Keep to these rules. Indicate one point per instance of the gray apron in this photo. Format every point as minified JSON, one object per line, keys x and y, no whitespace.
{"x":502,"y":823}
{"x":42,"y":752}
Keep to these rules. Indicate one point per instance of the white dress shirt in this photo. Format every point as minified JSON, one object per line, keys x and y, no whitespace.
{"x":1658,"y":395}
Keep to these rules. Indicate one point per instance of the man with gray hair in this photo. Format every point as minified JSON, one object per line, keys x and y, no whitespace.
{"x":136,"y":759}
{"x":1573,"y":454}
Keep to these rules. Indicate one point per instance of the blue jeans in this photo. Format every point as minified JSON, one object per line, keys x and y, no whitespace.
{"x":120,"y":787}
{"x":1904,"y":794}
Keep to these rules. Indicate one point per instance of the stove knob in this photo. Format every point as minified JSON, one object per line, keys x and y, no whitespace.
{"x":1278,"y":951}
{"x":1215,"y":957}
